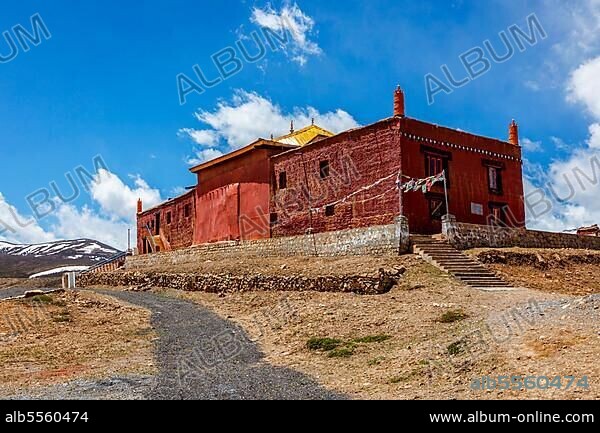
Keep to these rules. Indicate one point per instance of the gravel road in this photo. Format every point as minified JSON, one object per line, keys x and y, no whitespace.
{"x":199,"y":355}
{"x":202,"y":356}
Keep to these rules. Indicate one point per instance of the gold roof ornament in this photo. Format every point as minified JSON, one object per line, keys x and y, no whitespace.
{"x":305,"y":136}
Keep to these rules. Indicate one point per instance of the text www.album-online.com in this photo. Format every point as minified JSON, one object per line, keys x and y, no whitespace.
{"x":536,"y":417}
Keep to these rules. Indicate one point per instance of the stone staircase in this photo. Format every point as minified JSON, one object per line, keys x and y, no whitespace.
{"x":462,"y":267}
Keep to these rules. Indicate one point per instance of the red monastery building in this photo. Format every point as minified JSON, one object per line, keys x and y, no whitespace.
{"x":313,"y":181}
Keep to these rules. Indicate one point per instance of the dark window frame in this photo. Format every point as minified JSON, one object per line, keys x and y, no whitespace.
{"x":445,"y":157}
{"x":324,"y":169}
{"x":330,"y":211}
{"x":168,"y":218}
{"x":499,"y":168}
{"x":187,"y":210}
{"x":282,"y":180}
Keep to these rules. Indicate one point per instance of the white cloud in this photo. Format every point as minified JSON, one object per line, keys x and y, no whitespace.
{"x":16,"y":228}
{"x":250,"y":116}
{"x":570,"y":192}
{"x":594,"y":141}
{"x":204,"y":155}
{"x":119,"y":200}
{"x":578,"y":21}
{"x":117,"y":203}
{"x":584,"y":86}
{"x":571,"y":185}
{"x":530,"y":145}
{"x":73,"y":223}
{"x":295,"y":23}
{"x":202,"y":137}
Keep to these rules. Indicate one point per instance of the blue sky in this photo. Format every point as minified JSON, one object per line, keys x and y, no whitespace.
{"x":105,"y":84}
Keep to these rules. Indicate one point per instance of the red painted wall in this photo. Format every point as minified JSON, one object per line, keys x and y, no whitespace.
{"x":468,"y":179}
{"x":233,"y":199}
{"x":217,"y":215}
{"x":373,"y":154}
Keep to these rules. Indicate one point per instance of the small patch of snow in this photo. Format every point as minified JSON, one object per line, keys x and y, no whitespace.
{"x":61,"y":270}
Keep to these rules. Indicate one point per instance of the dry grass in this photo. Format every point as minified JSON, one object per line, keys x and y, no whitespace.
{"x":423,"y":358}
{"x":559,"y":275}
{"x":56,"y":338}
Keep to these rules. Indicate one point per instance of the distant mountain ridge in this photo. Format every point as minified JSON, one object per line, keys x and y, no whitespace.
{"x":22,"y":260}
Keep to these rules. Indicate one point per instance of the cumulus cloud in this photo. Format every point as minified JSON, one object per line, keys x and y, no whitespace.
{"x":579,"y":20}
{"x":114,"y":199}
{"x":565,"y":196}
{"x":584,"y":86}
{"x":295,"y":23}
{"x":117,"y":199}
{"x":16,"y":228}
{"x":73,"y":223}
{"x":249,"y":116}
{"x":530,"y":145}
{"x":566,"y":191}
{"x":569,"y":187}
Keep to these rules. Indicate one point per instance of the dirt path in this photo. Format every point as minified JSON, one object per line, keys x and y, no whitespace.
{"x":202,"y":356}
{"x":13,"y":292}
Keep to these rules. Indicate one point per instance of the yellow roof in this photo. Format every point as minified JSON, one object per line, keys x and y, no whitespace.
{"x":304,"y":136}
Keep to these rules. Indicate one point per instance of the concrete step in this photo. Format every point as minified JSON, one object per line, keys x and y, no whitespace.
{"x":449,"y":256}
{"x":483,"y":280}
{"x":477,"y":281}
{"x":453,"y":259}
{"x":461,"y":266}
{"x":485,"y":284}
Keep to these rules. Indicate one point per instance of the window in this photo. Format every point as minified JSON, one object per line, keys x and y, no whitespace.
{"x":495,"y":179}
{"x":494,"y":171}
{"x":436,"y":162}
{"x":168,"y":217}
{"x":187,"y":210}
{"x":434,"y":165}
{"x":437,"y":207}
{"x":324,"y":169}
{"x":274,"y":218}
{"x":498,"y":213}
{"x":282,"y":180}
{"x":157,"y":224}
{"x":330,"y":211}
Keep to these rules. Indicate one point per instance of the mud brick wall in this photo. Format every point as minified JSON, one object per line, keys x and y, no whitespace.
{"x":354,"y":160}
{"x":179,"y":232}
{"x":379,"y":241}
{"x":467,"y":236}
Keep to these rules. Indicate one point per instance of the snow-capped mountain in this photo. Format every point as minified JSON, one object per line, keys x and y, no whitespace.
{"x":25,"y":260}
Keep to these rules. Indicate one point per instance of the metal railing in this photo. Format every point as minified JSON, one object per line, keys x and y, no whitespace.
{"x":106,"y":262}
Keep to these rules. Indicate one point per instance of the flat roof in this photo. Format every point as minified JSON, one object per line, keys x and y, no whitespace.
{"x":168,"y":202}
{"x":258,"y":144}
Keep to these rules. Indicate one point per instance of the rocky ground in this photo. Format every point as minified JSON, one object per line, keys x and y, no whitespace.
{"x":429,"y":337}
{"x":50,"y":340}
{"x":561,"y":271}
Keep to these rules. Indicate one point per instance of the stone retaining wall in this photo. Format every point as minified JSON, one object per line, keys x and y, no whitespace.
{"x":387,"y":240}
{"x":468,"y":236}
{"x":364,"y":285}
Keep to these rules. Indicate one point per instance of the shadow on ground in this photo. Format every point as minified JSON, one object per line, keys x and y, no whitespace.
{"x":200,"y":355}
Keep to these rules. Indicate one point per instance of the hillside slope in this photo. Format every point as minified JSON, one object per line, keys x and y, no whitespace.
{"x":21,"y":261}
